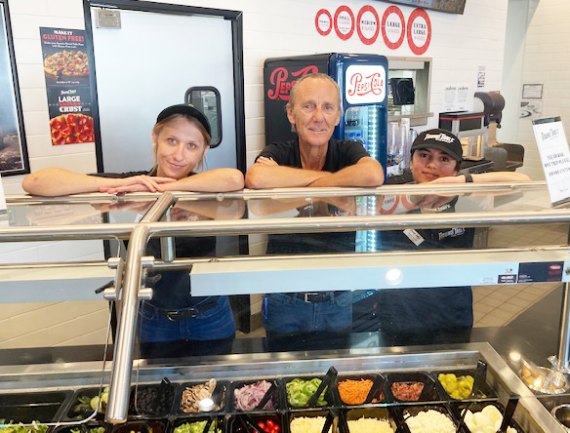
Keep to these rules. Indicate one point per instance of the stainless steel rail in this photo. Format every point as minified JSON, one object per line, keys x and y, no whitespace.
{"x":352,"y":223}
{"x":283,"y":192}
{"x":75,"y":232}
{"x":122,"y":358}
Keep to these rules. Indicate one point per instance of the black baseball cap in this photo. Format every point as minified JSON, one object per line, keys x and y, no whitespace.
{"x":439,"y":139}
{"x":188,"y":110}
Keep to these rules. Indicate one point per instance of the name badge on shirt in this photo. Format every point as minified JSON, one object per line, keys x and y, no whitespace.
{"x":414,"y":236}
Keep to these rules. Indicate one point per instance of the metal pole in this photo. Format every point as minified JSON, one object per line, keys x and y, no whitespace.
{"x":118,"y":407}
{"x":564,"y":349}
{"x":167,"y":247}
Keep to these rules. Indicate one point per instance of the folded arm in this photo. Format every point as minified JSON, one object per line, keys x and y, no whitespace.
{"x":365,"y":173}
{"x":216,"y":180}
{"x":52,"y":182}
{"x":492,"y":176}
{"x":266,"y":173}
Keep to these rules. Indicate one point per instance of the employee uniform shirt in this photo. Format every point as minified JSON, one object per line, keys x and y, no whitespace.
{"x":172,"y":313}
{"x":424,"y":311}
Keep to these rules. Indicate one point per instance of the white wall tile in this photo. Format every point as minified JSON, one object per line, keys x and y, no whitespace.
{"x":34,"y":99}
{"x":28,"y":7}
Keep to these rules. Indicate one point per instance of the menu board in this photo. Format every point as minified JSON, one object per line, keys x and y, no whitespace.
{"x":67,"y":68}
{"x":449,"y":6}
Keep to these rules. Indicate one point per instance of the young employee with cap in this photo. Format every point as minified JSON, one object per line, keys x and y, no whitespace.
{"x":180,"y":139}
{"x":436,"y":158}
{"x":416,"y":316}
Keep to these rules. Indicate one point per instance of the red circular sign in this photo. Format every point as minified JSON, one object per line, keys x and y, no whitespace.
{"x":323,"y":22}
{"x":367,"y":24}
{"x":393,"y":27}
{"x":391,"y":207}
{"x":419,"y":31}
{"x":344,"y":22}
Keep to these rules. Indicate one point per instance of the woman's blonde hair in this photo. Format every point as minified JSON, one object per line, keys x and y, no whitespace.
{"x":158,"y":126}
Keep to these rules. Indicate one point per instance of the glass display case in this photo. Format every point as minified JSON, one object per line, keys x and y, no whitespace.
{"x":381,"y":290}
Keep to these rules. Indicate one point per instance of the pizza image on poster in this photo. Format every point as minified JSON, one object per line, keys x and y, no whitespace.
{"x":66,"y":63}
{"x":72,"y":128}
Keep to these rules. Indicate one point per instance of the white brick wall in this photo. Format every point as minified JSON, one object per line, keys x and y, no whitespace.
{"x":460,"y":44}
{"x":546,"y":61}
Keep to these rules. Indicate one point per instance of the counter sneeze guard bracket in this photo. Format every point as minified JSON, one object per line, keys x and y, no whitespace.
{"x":564,"y":349}
{"x":113,"y":293}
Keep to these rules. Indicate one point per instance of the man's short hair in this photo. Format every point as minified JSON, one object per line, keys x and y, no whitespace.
{"x":313,"y":76}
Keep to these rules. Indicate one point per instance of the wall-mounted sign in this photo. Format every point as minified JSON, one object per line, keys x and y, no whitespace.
{"x":66,"y":69}
{"x":323,"y":22}
{"x":344,"y":22}
{"x":532,"y":91}
{"x":365,"y":84}
{"x":13,"y":154}
{"x":367,"y":25}
{"x":393,"y":27}
{"x":449,"y":6}
{"x":555,"y":157}
{"x":419,"y":31}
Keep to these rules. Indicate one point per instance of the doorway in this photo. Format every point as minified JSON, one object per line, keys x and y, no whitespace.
{"x":147,"y":56}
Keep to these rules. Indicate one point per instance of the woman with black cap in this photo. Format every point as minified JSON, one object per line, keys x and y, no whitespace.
{"x":180,"y":139}
{"x":442,"y":314}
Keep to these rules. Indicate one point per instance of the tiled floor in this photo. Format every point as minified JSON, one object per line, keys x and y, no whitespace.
{"x":499,"y":305}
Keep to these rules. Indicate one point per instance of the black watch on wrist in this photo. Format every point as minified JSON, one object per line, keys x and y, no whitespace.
{"x":468,"y":178}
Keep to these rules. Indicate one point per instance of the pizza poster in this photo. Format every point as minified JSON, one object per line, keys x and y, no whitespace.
{"x":67,"y":69}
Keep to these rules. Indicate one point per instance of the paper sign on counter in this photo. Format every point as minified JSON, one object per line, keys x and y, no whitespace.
{"x":555,"y":157}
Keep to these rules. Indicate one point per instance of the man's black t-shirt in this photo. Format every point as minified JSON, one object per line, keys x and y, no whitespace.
{"x":340,"y":154}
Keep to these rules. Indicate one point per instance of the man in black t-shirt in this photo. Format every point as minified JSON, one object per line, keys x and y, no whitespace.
{"x":312,"y":160}
{"x":314,"y":110}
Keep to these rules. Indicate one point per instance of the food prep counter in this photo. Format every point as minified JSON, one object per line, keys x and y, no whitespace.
{"x":55,"y":394}
{"x":239,"y":271}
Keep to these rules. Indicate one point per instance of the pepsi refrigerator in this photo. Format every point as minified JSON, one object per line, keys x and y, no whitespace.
{"x":362,"y":79}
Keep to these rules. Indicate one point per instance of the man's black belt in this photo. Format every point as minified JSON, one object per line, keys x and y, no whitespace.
{"x":315,"y":297}
{"x":182,"y":313}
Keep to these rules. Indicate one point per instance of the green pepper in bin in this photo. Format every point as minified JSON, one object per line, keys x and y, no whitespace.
{"x":36,"y":427}
{"x":299,"y":391}
{"x":197,"y":427}
{"x":99,"y":429}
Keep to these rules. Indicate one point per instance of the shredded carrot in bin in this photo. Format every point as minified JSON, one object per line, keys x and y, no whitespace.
{"x":355,"y":391}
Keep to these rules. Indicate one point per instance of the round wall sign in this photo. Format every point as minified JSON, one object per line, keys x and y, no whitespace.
{"x":367,"y":24}
{"x":419,"y":31}
{"x":344,"y":22}
{"x":393,"y":27}
{"x":323,"y":22}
